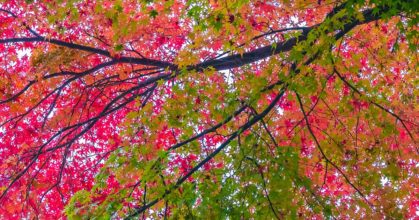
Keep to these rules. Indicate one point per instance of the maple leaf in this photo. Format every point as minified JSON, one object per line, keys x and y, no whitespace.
{"x":208,"y":109}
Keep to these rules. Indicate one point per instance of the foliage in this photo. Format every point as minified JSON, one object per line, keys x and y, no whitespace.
{"x":224,"y":109}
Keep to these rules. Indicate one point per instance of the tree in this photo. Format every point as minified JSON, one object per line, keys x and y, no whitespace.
{"x":199,"y":109}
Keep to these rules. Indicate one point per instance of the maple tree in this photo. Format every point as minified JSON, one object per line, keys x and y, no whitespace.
{"x":196,"y":109}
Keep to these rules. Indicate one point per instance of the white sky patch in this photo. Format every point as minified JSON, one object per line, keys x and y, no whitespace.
{"x":384,"y":180}
{"x":23,"y":52}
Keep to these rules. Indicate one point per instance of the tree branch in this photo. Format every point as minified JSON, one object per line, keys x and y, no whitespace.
{"x":246,"y":126}
{"x":326,"y":158}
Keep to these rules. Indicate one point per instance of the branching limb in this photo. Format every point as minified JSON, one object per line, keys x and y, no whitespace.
{"x":326,"y":158}
{"x":246,"y":126}
{"x":377,"y":105}
{"x":264,"y":187}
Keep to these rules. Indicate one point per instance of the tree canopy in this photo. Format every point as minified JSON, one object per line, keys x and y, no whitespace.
{"x":224,"y":109}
